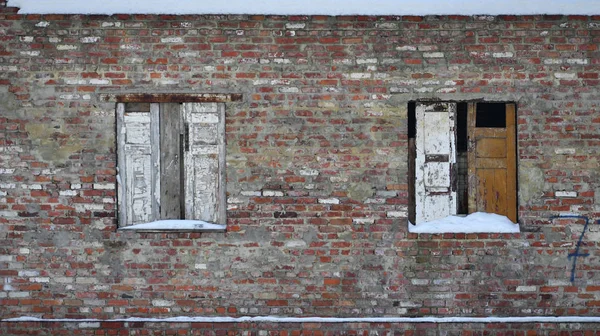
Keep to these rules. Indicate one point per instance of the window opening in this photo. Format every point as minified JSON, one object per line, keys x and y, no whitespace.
{"x":491,"y":115}
{"x":478,"y":163}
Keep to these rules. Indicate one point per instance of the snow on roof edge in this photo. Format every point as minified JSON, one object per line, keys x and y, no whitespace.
{"x":311,"y":7}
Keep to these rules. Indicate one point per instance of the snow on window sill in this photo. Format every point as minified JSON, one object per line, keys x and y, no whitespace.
{"x":478,"y":222}
{"x":176,"y":225}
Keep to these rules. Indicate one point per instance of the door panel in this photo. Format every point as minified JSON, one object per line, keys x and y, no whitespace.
{"x":492,"y":166}
{"x":435,"y":192}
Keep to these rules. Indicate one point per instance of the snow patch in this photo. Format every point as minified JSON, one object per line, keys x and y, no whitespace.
{"x":175,"y":225}
{"x":474,"y":223}
{"x":309,"y":7}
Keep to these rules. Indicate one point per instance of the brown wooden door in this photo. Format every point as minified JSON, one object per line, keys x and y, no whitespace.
{"x":492,"y":163}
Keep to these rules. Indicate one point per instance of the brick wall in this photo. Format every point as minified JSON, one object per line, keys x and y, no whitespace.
{"x":316,"y":165}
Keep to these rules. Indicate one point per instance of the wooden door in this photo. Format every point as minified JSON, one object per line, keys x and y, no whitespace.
{"x":435,"y":190}
{"x":492,"y":162}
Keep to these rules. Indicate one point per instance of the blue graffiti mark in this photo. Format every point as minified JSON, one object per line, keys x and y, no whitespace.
{"x":576,"y":254}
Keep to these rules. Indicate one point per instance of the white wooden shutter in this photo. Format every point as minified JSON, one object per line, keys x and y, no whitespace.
{"x":435,"y":193}
{"x":204,"y":161}
{"x":139,"y":180}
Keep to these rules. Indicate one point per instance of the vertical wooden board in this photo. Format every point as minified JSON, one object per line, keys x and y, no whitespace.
{"x":411,"y":179}
{"x":473,"y":183}
{"x":170,"y":161}
{"x":121,"y":167}
{"x":155,"y":152}
{"x":205,"y":188}
{"x":139,"y":185}
{"x":205,"y":162}
{"x":511,"y":163}
{"x":500,"y":205}
{"x":435,"y":157}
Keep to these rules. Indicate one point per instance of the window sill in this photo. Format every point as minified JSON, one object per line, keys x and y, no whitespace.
{"x":478,"y":222}
{"x":176,"y":225}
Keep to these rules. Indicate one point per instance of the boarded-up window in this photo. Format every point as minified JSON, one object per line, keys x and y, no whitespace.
{"x":171,"y":162}
{"x":462,"y":159}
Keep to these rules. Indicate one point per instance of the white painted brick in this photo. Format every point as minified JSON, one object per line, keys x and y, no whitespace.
{"x":251,"y":193}
{"x":66,"y":47}
{"x":31,"y":186}
{"x":406,"y":48}
{"x":565,"y":193}
{"x":433,"y":55}
{"x":130,"y":46}
{"x":399,"y":90}
{"x":18,"y":294}
{"x":89,"y":325}
{"x":288,"y":89}
{"x":171,"y":40}
{"x":188,"y":54}
{"x":75,"y":81}
{"x":54,"y":39}
{"x":40,"y":279}
{"x":96,"y":81}
{"x":295,"y":25}
{"x":505,"y":54}
{"x":42,"y":24}
{"x":526,"y":288}
{"x":387,"y":25}
{"x":550,"y":61}
{"x":68,"y":193}
{"x":8,"y":213}
{"x":565,"y":75}
{"x":30,"y":53}
{"x":329,"y":201}
{"x":104,"y":186}
{"x":111,"y":24}
{"x":431,"y":82}
{"x":29,"y":273}
{"x":82,"y":207}
{"x":76,"y":186}
{"x":419,"y":281}
{"x":578,"y":61}
{"x":446,"y":90}
{"x":565,"y":151}
{"x":309,"y":172}
{"x":26,"y":39}
{"x":396,"y":214}
{"x":366,"y":61}
{"x":162,"y":303}
{"x":200,"y":266}
{"x":24,"y":250}
{"x":7,"y":170}
{"x":424,"y":90}
{"x":363,"y":220}
{"x":108,"y":200}
{"x":8,"y":185}
{"x":360,"y":75}
{"x":90,"y":39}
{"x":272,"y":193}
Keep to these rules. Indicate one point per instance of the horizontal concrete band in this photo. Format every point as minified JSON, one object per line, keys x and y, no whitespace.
{"x":281,"y":319}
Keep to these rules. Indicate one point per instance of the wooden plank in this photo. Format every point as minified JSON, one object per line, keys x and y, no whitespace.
{"x":499,"y":192}
{"x":222,"y":186}
{"x":511,"y":163}
{"x":473,"y":184}
{"x":121,"y":167}
{"x":170,"y":161}
{"x":412,"y":149}
{"x":155,"y":154}
{"x":435,"y":196}
{"x":175,"y":97}
{"x":490,"y":163}
{"x":491,"y":148}
{"x":137,"y":107}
